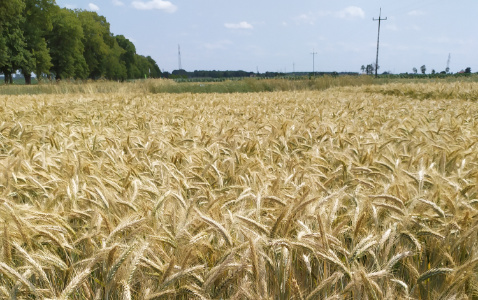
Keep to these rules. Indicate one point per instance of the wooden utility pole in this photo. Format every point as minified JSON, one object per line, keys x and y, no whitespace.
{"x":313,"y":61}
{"x":179,"y":58}
{"x":378,"y":39}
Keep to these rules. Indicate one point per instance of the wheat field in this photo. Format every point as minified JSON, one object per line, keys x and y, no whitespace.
{"x":349,"y":193}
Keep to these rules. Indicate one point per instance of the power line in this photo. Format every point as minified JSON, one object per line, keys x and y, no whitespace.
{"x":378,"y":39}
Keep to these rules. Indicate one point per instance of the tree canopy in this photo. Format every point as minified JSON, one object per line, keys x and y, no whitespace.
{"x":37,"y":36}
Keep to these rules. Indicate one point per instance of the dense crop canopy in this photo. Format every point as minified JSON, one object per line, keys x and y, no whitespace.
{"x":348,"y":193}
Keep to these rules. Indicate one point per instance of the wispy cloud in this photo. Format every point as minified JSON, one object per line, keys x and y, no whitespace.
{"x":311,"y":17}
{"x":416,"y":13}
{"x":307,"y":18}
{"x":220,"y":45}
{"x":391,"y":27}
{"x":118,"y":3}
{"x":241,"y":25}
{"x":155,"y":4}
{"x":351,"y":12}
{"x":93,"y":7}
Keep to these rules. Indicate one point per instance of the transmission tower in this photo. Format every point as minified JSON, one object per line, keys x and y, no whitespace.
{"x":378,"y":39}
{"x":180,"y":67}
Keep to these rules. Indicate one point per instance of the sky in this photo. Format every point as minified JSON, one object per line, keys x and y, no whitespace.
{"x":281,"y":35}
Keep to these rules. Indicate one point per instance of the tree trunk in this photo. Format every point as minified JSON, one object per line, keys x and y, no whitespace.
{"x":28,"y":78}
{"x":8,"y":77}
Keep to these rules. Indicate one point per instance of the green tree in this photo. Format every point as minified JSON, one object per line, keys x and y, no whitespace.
{"x":128,"y":56}
{"x":369,"y":69}
{"x":154,"y":71}
{"x":115,"y":67}
{"x":142,"y":65}
{"x":17,"y":56}
{"x":95,"y":30}
{"x":12,"y":44}
{"x":36,"y":24}
{"x":102,"y":53}
{"x":66,"y":47}
{"x":423,"y":69}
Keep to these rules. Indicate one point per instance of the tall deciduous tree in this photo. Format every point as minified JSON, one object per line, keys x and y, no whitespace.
{"x":66,"y":46}
{"x":143,"y":66}
{"x":423,"y":69}
{"x":95,"y":30}
{"x":37,"y":23}
{"x":12,"y":44}
{"x":154,"y":72}
{"x":115,"y":67}
{"x":102,"y":52}
{"x":128,"y":56}
{"x":37,"y":36}
{"x":18,"y":57}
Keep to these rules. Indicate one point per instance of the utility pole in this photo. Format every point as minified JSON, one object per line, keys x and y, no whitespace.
{"x":378,"y":39}
{"x":447,"y":70}
{"x":179,"y":58}
{"x":313,"y":61}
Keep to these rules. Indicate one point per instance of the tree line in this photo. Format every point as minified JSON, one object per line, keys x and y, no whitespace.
{"x":37,"y":36}
{"x":217,"y":74}
{"x":370,"y":69}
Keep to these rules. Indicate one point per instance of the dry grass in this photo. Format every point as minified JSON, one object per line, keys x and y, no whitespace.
{"x":352,"y":193}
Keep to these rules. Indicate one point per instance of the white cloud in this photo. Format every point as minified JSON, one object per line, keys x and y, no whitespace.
{"x":241,"y":25}
{"x":155,"y":4}
{"x":306,"y":18}
{"x":391,"y":27}
{"x":118,"y":3}
{"x":351,"y":12}
{"x":415,"y":13}
{"x":414,"y":28}
{"x":221,"y":45}
{"x":93,"y":7}
{"x":311,"y":17}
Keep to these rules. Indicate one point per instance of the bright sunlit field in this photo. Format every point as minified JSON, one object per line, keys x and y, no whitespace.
{"x":366,"y":192}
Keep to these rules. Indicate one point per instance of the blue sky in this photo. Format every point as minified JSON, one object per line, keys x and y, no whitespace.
{"x":280,"y":35}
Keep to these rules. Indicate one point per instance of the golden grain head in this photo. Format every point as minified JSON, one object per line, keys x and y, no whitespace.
{"x":349,"y":192}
